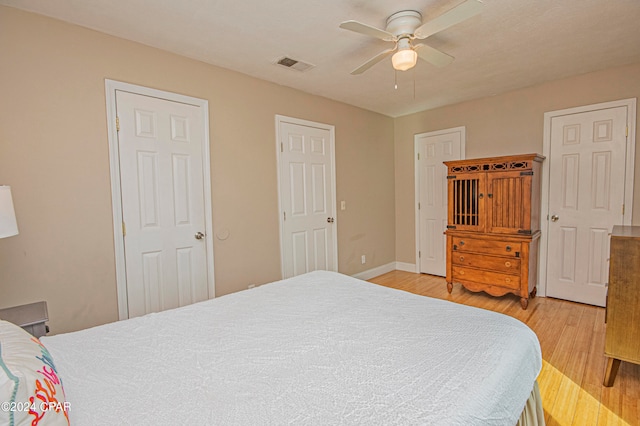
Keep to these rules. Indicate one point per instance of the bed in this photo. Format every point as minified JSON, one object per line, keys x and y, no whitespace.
{"x":317,"y":349}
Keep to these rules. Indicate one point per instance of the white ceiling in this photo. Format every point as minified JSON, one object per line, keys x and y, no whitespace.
{"x":511,"y":44}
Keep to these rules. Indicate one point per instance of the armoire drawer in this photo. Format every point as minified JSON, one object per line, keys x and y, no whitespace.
{"x":486,"y":277}
{"x":486,"y":246}
{"x":508,"y":265}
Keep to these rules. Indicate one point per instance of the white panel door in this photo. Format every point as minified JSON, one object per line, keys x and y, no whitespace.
{"x":161,"y":175}
{"x":432,"y":151}
{"x":307,"y":199}
{"x":586,"y":198}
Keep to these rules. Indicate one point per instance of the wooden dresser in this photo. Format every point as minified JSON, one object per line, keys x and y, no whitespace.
{"x":622,"y":342}
{"x":493,"y":224}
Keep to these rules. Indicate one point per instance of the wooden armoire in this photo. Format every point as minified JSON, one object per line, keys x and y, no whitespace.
{"x":493,"y":224}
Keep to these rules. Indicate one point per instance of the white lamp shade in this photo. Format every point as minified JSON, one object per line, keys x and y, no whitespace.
{"x":404,"y":59}
{"x":8,"y":224}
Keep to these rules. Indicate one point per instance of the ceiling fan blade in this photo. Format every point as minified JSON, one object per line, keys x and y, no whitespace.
{"x":368,"y":30}
{"x":460,"y":13}
{"x":371,"y":62}
{"x":431,"y":55}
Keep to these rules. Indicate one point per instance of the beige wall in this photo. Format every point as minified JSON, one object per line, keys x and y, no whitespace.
{"x":511,"y":123}
{"x":54,"y":154}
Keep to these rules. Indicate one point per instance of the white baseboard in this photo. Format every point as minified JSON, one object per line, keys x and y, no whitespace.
{"x":374,"y":272}
{"x":379,"y":270}
{"x":407,"y":267}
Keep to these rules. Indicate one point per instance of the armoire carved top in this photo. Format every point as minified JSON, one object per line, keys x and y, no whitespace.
{"x":479,"y":165}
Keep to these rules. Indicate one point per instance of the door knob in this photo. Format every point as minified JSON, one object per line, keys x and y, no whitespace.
{"x":554,"y":218}
{"x":199,"y":235}
{"x":330,"y":220}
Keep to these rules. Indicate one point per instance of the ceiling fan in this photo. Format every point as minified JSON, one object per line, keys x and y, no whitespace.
{"x":406,"y":26}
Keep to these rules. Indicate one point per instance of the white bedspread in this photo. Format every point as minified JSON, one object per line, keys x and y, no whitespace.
{"x":318,"y":349}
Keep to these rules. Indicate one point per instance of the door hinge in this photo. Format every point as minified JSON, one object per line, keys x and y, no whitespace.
{"x":418,"y":206}
{"x":285,"y":215}
{"x":418,"y":156}
{"x":419,"y":254}
{"x":281,"y":147}
{"x":117,"y":124}
{"x":626,"y":131}
{"x":124,"y":229}
{"x":623,"y":210}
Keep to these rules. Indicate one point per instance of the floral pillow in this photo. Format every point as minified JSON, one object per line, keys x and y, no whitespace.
{"x":31,"y":390}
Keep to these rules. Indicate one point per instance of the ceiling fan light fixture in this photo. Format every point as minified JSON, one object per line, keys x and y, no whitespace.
{"x":404,"y":27}
{"x":405,"y":59}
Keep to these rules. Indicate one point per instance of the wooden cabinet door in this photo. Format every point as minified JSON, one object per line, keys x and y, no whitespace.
{"x":508,"y":202}
{"x":466,"y":207}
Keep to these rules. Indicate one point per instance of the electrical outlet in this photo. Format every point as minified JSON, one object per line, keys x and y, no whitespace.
{"x":343,"y":205}
{"x":363,"y":259}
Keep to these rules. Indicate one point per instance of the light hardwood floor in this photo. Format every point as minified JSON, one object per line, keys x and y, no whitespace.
{"x":572,"y":340}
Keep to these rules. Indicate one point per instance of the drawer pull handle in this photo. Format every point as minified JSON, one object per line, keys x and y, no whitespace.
{"x":461,"y":272}
{"x":507,"y":264}
{"x":461,"y":258}
{"x":461,"y":243}
{"x":508,"y":248}
{"x":507,"y":280}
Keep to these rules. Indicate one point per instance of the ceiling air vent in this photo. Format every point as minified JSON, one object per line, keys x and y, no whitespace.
{"x":294,"y":64}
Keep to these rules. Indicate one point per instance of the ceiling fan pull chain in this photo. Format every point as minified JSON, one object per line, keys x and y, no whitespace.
{"x":414,"y":83}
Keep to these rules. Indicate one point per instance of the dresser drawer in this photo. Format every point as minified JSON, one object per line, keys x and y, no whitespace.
{"x":508,"y":265}
{"x":486,"y":277}
{"x":486,"y":246}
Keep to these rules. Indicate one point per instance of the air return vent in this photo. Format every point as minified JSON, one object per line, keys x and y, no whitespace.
{"x":294,"y":64}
